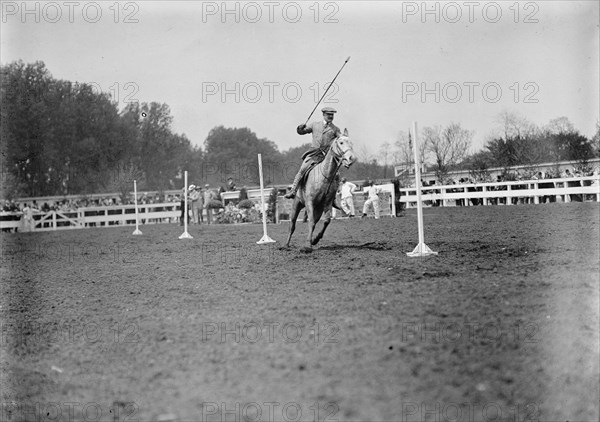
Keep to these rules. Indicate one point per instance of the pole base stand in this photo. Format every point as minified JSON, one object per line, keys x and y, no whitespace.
{"x":186,"y":235}
{"x":137,"y":232}
{"x":265,"y":239}
{"x":421,"y":250}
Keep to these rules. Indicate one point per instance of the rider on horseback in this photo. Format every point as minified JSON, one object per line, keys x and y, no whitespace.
{"x":323,"y":132}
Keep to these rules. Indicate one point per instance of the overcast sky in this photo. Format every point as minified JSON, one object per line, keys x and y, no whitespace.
{"x":540,"y":59}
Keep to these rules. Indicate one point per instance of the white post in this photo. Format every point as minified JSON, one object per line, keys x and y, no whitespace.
{"x":137,"y":219}
{"x":265,"y":238}
{"x":185,"y":234}
{"x":422,"y":249}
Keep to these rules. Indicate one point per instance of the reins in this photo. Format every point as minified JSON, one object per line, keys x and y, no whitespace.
{"x":339,"y":164}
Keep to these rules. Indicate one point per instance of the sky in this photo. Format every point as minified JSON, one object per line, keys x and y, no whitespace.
{"x":264,"y":65}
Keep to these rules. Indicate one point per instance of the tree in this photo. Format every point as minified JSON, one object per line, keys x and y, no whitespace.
{"x":122,"y":180}
{"x":559,"y":125}
{"x":596,"y":140}
{"x":24,"y":118}
{"x":514,"y":125}
{"x":58,"y":137}
{"x":448,"y":147}
{"x":384,"y":156}
{"x":518,"y":142}
{"x":403,"y":154}
{"x":233,"y":152}
{"x":478,"y":165}
{"x":161,"y":154}
{"x":579,"y":149}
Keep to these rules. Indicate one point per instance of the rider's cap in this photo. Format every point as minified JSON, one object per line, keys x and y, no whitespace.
{"x":329,"y":110}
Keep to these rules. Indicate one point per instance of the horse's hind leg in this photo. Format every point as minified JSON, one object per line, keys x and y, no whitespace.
{"x":296,"y":208}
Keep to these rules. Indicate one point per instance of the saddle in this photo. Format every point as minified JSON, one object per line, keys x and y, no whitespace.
{"x":315,"y":155}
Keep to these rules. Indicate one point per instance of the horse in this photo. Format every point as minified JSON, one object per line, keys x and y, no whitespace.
{"x":318,"y":191}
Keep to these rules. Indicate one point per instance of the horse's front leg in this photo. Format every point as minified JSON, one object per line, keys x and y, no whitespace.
{"x":312,"y":222}
{"x":326,"y":222}
{"x":296,"y":208}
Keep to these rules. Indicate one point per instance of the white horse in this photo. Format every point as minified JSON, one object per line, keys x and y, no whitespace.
{"x":317,"y":191}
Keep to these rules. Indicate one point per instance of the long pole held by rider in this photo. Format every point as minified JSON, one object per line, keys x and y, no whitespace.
{"x":321,"y":99}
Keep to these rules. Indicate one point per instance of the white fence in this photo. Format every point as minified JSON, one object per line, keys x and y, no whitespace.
{"x":503,"y":193}
{"x":117,"y":215}
{"x":94,"y":217}
{"x":506,"y":193}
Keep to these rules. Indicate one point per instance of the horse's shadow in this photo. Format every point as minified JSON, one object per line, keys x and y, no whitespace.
{"x":365,"y":245}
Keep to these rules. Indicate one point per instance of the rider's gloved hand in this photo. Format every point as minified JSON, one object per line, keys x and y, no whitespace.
{"x":300,"y":129}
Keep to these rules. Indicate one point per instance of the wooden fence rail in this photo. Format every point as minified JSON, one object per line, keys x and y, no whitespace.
{"x":506,"y":193}
{"x":501,"y":193}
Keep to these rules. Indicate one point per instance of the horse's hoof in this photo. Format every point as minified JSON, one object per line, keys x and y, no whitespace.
{"x":306,"y":249}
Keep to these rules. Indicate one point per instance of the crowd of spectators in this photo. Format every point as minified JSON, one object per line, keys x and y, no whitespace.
{"x":204,"y":204}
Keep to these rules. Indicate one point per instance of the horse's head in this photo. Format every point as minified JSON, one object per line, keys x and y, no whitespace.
{"x":342,"y":148}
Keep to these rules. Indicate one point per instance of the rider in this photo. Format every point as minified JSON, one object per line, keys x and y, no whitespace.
{"x":323,"y":133}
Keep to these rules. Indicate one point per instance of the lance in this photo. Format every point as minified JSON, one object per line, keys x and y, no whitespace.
{"x":321,"y":99}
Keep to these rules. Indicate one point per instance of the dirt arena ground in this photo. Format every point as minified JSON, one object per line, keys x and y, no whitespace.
{"x":503,"y":325}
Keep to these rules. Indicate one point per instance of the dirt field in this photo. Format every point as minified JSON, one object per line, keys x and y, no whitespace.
{"x":502,"y":326}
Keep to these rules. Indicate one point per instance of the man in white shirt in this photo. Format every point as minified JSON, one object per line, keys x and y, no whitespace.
{"x":347,"y":189}
{"x":209,"y":195}
{"x":373,"y":199}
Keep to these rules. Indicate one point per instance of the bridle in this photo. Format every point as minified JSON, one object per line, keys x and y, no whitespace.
{"x":337,"y":155}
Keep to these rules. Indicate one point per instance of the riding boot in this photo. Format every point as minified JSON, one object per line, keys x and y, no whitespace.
{"x":292,"y":193}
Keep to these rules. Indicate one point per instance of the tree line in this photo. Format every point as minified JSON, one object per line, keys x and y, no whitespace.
{"x":62,"y":138}
{"x":518,"y":142}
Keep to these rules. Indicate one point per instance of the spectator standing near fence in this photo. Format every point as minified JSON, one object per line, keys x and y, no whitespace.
{"x":194,"y":197}
{"x":200,"y":205}
{"x":347,"y":189}
{"x":230,"y":185}
{"x":182,"y":205}
{"x":568,"y":174}
{"x":209,"y":195}
{"x":27,"y":221}
{"x":398,"y":193}
{"x":372,"y":200}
